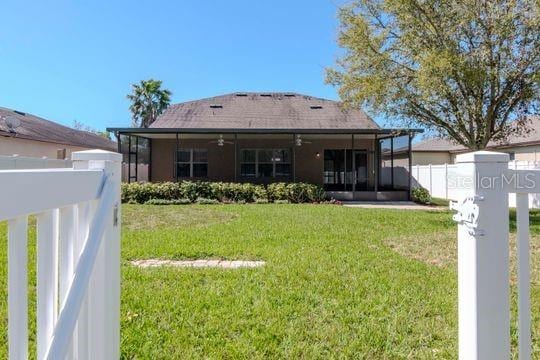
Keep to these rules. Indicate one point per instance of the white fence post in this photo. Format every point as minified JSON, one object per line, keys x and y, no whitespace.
{"x":483,"y":257}
{"x":103,"y":295}
{"x":446,"y":181}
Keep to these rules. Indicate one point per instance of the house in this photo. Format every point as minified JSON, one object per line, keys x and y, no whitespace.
{"x":29,"y":135}
{"x":272,"y":137}
{"x":436,"y":151}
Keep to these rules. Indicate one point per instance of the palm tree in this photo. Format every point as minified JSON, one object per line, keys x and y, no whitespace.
{"x":148,"y":101}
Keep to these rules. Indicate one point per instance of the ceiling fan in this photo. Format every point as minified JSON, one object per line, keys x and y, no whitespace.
{"x":220,"y":141}
{"x":298,"y":141}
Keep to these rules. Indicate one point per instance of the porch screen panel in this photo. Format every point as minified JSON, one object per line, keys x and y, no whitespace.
{"x":143,"y":159}
{"x":135,"y":158}
{"x":265,"y":168}
{"x":248,"y":163}
{"x":364,"y":163}
{"x":200,"y":163}
{"x":124,"y":149}
{"x":334,"y":169}
{"x":385,"y":166}
{"x":282,"y":161}
{"x":401,"y":162}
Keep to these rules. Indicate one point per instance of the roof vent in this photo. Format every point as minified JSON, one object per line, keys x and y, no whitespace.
{"x":316,"y":107}
{"x":266,"y":95}
{"x":216,"y":106}
{"x":241,"y":94}
{"x":19,"y":112}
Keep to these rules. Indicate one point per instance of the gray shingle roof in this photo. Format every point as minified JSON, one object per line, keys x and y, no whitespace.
{"x":35,"y":128}
{"x":445,"y":145}
{"x":263,"y":111}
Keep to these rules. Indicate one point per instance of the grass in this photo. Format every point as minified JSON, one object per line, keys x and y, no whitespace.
{"x":335,"y":284}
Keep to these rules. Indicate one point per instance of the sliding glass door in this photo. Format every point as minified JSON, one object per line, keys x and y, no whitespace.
{"x":345,"y":172}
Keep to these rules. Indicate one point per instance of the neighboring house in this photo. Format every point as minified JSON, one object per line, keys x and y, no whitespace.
{"x":271,"y":137}
{"x":440,"y":151}
{"x":29,"y":135}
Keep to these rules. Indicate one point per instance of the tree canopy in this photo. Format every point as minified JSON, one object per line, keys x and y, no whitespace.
{"x":465,"y":69}
{"x":148,"y":101}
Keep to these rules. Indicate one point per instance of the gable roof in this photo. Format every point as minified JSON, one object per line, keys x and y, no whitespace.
{"x":263,"y":111}
{"x":446,"y":145}
{"x":35,"y":128}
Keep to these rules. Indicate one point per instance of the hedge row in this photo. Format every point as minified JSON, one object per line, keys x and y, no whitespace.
{"x":141,"y":193}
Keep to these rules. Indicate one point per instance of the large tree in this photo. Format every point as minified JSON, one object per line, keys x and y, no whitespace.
{"x":148,"y":100}
{"x":465,"y":69}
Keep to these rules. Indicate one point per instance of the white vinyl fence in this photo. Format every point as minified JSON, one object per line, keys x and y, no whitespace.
{"x":24,"y":162}
{"x":483,"y":254}
{"x":440,"y":182}
{"x":78,"y":257}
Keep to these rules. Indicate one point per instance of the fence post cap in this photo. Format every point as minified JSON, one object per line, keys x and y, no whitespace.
{"x":483,"y":157}
{"x":96,"y":154}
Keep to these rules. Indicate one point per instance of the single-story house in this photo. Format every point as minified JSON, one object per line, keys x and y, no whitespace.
{"x":436,"y":151}
{"x":29,"y":135}
{"x":272,"y":137}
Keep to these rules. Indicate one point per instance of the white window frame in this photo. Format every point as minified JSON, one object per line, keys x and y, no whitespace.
{"x":191,"y":162}
{"x":257,"y":162}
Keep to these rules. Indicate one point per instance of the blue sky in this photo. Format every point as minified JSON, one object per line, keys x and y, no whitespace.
{"x":75,"y":60}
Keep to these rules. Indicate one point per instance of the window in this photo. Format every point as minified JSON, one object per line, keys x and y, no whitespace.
{"x":192,"y":163}
{"x":265,"y":163}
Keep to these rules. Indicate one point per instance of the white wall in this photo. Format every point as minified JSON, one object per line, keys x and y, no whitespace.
{"x":441,"y":181}
{"x":33,"y":148}
{"x":25,"y":162}
{"x":430,"y":157}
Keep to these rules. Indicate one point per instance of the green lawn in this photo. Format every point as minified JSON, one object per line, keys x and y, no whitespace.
{"x":338,"y":283}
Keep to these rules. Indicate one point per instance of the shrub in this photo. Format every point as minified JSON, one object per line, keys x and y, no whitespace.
{"x":295,"y":192}
{"x":421,"y":195}
{"x":235,"y":192}
{"x":142,"y":193}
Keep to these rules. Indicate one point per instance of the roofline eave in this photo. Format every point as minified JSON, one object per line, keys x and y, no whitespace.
{"x":261,"y":131}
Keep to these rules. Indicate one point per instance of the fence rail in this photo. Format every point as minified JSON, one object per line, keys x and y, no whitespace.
{"x":441,"y":182}
{"x":25,"y":162}
{"x":483,"y":254}
{"x":78,"y":283}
